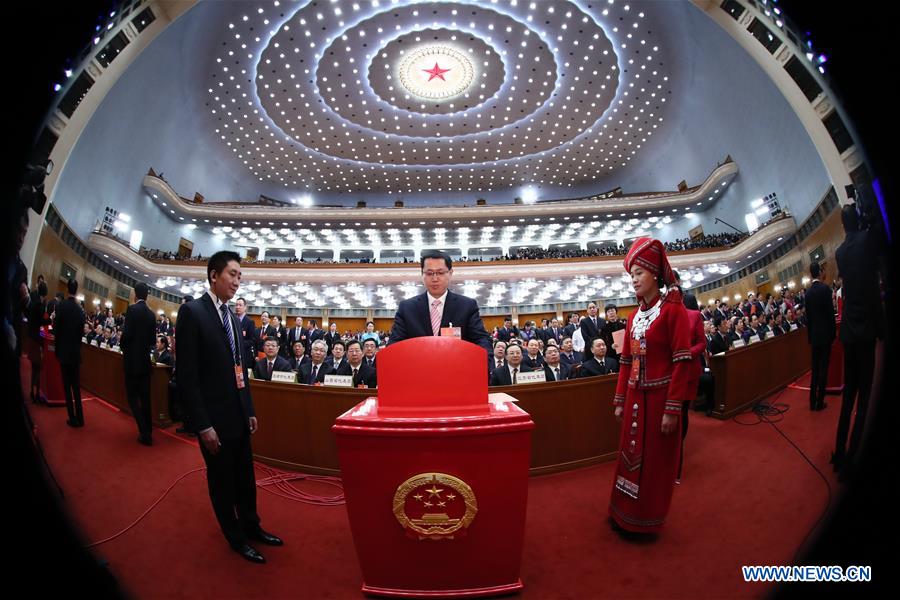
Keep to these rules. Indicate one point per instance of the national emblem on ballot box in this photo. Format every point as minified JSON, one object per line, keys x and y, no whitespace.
{"x":435,"y":506}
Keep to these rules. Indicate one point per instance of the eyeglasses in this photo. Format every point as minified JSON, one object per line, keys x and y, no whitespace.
{"x":435,"y":273}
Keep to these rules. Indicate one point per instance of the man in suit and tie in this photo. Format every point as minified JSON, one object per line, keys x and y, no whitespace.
{"x":248,"y":333}
{"x":363,"y":374}
{"x":314,"y":371}
{"x":507,"y":331}
{"x":212,"y":384}
{"x":163,"y":356}
{"x":591,"y":325}
{"x":862,"y":323}
{"x":568,"y":355}
{"x":426,"y":314}
{"x":533,"y":359}
{"x":336,"y":359}
{"x":498,"y":360}
{"x":554,"y":370}
{"x":514,"y":366}
{"x":298,"y":356}
{"x":332,"y":336}
{"x":721,"y":311}
{"x":554,"y":332}
{"x":298,"y":334}
{"x":719,"y":342}
{"x":272,"y":361}
{"x":313,"y":333}
{"x":370,"y":350}
{"x":138,"y":339}
{"x":68,"y":325}
{"x":265,"y":331}
{"x":820,"y":334}
{"x":599,"y":363}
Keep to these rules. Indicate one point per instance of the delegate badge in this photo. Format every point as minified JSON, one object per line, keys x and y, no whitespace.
{"x":435,"y":506}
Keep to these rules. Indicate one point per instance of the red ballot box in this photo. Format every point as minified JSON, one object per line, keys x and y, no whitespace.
{"x":835,"y":383}
{"x":51,"y":374}
{"x":436,"y":475}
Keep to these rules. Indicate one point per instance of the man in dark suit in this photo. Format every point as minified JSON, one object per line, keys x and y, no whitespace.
{"x":248,"y":333}
{"x":568,"y":355}
{"x":370,"y":350}
{"x":363,"y":374}
{"x":820,"y":333}
{"x":426,"y":314}
{"x":298,"y":334}
{"x":313,"y":333}
{"x":554,"y":370}
{"x":498,"y":360}
{"x":298,"y":356}
{"x":314,"y":371}
{"x":163,"y":356}
{"x":138,"y":339}
{"x":266,"y":330}
{"x":591,"y":325}
{"x":212,"y":384}
{"x":514,"y":366}
{"x":532,"y":358}
{"x":332,"y":336}
{"x":67,"y":329}
{"x":270,"y":362}
{"x":599,"y":363}
{"x":719,"y":342}
{"x":336,"y":358}
{"x":505,"y":332}
{"x":554,"y":332}
{"x":862,"y":322}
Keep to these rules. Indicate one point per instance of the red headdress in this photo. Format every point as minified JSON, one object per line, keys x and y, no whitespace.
{"x":650,"y":254}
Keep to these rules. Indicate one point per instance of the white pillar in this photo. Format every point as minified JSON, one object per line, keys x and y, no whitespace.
{"x":262,"y":254}
{"x":336,"y":254}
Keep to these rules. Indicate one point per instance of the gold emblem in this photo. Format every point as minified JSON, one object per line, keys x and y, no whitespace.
{"x":435,"y":506}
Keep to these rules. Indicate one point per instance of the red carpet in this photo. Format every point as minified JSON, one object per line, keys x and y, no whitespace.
{"x":747,"y":497}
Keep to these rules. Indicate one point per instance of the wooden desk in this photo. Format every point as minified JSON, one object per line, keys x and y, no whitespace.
{"x":103,"y":374}
{"x":574,"y":423}
{"x":749,"y":374}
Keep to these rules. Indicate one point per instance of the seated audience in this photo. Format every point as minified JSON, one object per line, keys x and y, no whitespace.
{"x":363,"y":374}
{"x":162,"y":354}
{"x":514,"y":366}
{"x":554,"y":370}
{"x":298,"y":355}
{"x":314,"y":371}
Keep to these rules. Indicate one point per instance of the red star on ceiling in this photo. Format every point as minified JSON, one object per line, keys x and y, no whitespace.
{"x":436,"y":72}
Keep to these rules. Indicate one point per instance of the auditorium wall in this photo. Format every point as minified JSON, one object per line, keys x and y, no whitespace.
{"x":53,"y":252}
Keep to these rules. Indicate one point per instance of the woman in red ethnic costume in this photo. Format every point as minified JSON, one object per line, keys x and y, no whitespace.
{"x":653,"y":382}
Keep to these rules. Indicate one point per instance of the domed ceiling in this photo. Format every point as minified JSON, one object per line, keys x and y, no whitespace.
{"x":403,"y":97}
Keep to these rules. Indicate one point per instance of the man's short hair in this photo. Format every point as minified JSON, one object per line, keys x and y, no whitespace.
{"x":294,"y":343}
{"x":505,"y":319}
{"x":850,"y":218}
{"x":563,"y":341}
{"x":319,"y":343}
{"x":265,"y":312}
{"x":496,"y":342}
{"x":353,"y":343}
{"x":241,"y":299}
{"x":595,"y":340}
{"x":367,"y":340}
{"x":164,"y":340}
{"x":218,"y":262}
{"x":436,"y":254}
{"x":339,"y":343}
{"x":549,"y":346}
{"x":271,"y":340}
{"x":186,"y":299}
{"x":717,"y":322}
{"x":511,"y":346}
{"x":313,"y":321}
{"x":141,"y":290}
{"x":72,"y":287}
{"x":814,"y":270}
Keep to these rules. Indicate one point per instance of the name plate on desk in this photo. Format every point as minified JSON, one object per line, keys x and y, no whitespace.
{"x":116,"y":349}
{"x":737,"y":344}
{"x":770,"y":334}
{"x":104,"y":345}
{"x":284,"y":376}
{"x":793,"y":326}
{"x":753,"y":339}
{"x":531,"y":377}
{"x":84,"y":340}
{"x":339,"y":380}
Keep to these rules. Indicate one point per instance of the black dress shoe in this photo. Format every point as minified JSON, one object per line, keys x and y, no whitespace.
{"x":146,"y":441}
{"x":249,"y":553}
{"x":72,"y":423}
{"x":266,"y":538}
{"x":822,"y":406}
